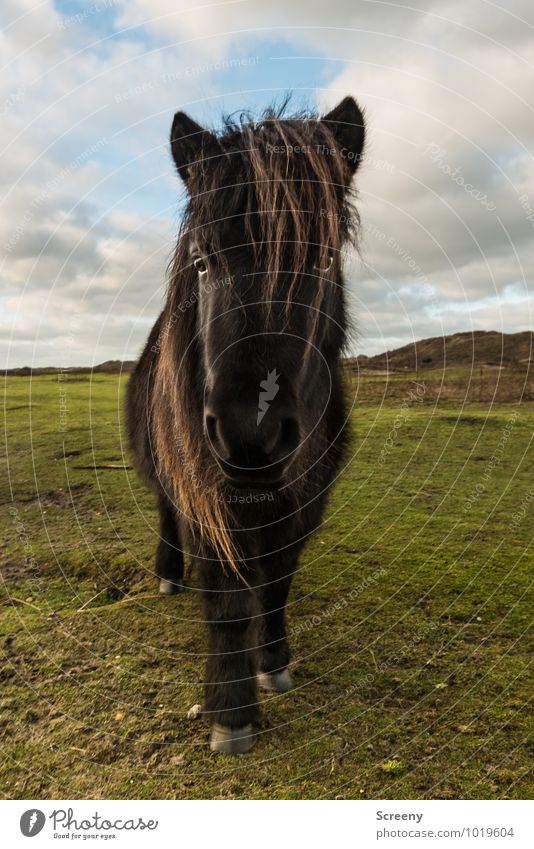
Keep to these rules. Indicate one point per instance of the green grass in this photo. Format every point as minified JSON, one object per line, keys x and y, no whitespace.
{"x":409,"y":619}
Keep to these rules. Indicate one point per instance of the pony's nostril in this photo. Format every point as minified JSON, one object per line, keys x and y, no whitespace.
{"x":211,"y":427}
{"x":244,"y":450}
{"x":289,"y":432}
{"x":271,"y":439}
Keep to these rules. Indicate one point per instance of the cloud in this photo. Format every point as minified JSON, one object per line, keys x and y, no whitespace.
{"x":91,"y":200}
{"x":446,"y":209}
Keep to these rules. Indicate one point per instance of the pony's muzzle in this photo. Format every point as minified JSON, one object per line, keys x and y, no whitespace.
{"x":253,"y":450}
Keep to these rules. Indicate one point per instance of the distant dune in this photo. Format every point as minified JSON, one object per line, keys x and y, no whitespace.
{"x":109,"y":367}
{"x":478,"y":348}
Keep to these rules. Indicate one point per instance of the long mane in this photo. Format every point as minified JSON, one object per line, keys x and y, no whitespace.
{"x":287,"y":182}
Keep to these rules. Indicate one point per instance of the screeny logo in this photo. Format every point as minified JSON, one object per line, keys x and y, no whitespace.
{"x":32,"y":822}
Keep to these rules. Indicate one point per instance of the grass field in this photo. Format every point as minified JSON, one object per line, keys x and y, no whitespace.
{"x":409,"y":618}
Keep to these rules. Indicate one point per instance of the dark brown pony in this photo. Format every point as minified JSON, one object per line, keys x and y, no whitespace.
{"x":235,"y":409}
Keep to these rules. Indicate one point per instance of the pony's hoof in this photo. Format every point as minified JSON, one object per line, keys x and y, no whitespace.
{"x":276,"y":682}
{"x":232,"y":741}
{"x":169,"y":588}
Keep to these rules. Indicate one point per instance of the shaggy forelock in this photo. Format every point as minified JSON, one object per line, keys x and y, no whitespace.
{"x":278,"y":183}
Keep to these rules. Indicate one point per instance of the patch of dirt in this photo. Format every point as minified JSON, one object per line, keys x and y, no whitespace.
{"x":75,"y":452}
{"x":468,"y":420}
{"x":58,"y":497}
{"x":16,"y":570}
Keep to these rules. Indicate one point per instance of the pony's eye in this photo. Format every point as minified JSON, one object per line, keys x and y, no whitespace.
{"x":329,"y":263}
{"x":200,"y":265}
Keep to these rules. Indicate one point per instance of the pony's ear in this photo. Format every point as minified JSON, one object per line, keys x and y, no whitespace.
{"x":189,"y":143}
{"x":347,"y":123}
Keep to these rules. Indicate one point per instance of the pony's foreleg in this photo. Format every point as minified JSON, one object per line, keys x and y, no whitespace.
{"x":273,"y":647}
{"x":169,"y":556}
{"x":230,"y":687}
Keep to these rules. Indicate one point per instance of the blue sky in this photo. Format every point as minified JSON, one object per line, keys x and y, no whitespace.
{"x":91,"y":201}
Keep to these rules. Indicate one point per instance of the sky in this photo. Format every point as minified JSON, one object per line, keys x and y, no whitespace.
{"x":90,"y":200}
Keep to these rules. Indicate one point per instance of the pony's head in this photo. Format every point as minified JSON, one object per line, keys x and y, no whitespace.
{"x":269,"y":210}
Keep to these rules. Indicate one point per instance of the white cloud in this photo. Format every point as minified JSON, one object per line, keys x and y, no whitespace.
{"x":90,"y":195}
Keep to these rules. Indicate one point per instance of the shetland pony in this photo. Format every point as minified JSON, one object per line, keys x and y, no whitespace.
{"x":235,"y":410}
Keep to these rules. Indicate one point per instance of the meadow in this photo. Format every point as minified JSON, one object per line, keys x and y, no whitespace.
{"x":410,"y":619}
